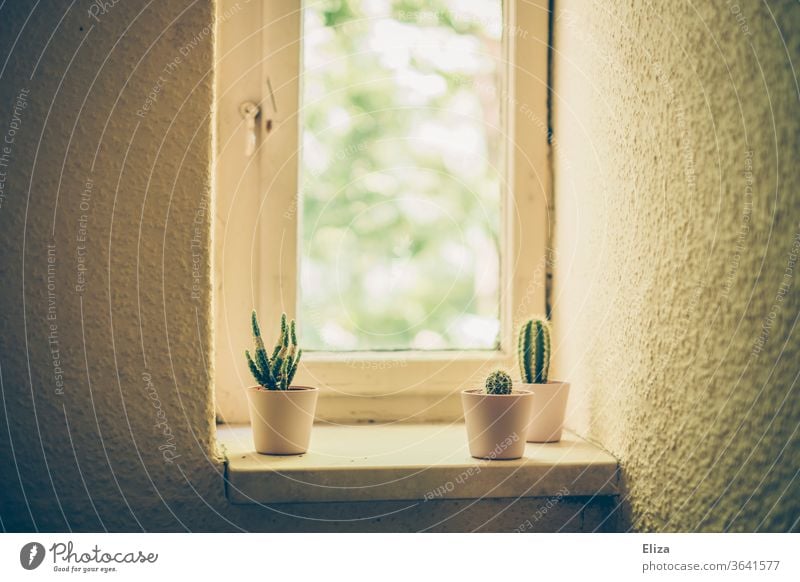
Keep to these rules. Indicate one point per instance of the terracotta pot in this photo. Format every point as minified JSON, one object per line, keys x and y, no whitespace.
{"x":549,"y":405}
{"x":497,"y":423}
{"x":282,"y":419}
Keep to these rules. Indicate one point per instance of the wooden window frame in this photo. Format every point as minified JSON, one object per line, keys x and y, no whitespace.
{"x":256,"y":229}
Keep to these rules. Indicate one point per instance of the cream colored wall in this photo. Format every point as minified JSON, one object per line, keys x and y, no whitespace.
{"x":122,"y":101}
{"x":677,"y":229}
{"x":94,"y":457}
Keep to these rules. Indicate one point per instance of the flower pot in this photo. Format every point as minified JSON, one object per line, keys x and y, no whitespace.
{"x":282,"y":419}
{"x":549,"y":405}
{"x":497,"y":423}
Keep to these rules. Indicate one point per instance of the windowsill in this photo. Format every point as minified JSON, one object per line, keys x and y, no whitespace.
{"x":409,"y":462}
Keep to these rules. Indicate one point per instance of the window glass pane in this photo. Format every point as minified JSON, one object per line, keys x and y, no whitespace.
{"x":401,"y":174}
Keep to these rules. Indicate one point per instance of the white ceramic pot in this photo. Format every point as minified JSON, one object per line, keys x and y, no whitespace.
{"x":549,"y":406}
{"x":282,"y":419}
{"x":497,"y":423}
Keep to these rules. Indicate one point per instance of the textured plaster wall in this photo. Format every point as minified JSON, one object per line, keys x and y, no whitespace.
{"x":677,"y":228}
{"x":121,"y":102}
{"x":660,"y":358}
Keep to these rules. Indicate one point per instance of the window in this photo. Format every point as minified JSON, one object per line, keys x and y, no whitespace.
{"x":396,"y":200}
{"x":400,"y":176}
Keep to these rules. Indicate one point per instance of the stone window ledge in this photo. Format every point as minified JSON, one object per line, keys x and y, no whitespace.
{"x":409,"y":462}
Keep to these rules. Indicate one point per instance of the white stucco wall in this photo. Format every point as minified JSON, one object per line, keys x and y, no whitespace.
{"x":677,"y":229}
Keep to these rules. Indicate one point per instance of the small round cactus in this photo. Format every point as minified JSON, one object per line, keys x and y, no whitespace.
{"x":498,"y":382}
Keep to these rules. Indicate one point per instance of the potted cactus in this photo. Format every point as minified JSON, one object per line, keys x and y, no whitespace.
{"x":497,"y":418}
{"x":549,"y":396}
{"x":281,"y":414}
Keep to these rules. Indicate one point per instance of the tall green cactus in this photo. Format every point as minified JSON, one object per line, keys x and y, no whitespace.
{"x":275,"y":372}
{"x":498,"y":382}
{"x":534,"y":351}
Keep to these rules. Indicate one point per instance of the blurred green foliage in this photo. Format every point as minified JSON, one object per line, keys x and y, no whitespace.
{"x":401,"y":174}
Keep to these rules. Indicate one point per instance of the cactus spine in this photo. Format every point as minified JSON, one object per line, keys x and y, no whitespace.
{"x":274,"y":372}
{"x":498,"y":382}
{"x":534,"y":351}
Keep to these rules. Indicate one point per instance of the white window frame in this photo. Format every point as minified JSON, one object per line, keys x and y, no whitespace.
{"x":256,"y":232}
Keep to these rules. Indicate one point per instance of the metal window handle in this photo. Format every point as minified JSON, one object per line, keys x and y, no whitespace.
{"x":249,"y":111}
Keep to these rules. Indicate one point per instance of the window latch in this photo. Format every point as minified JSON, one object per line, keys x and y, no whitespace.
{"x":249,"y":111}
